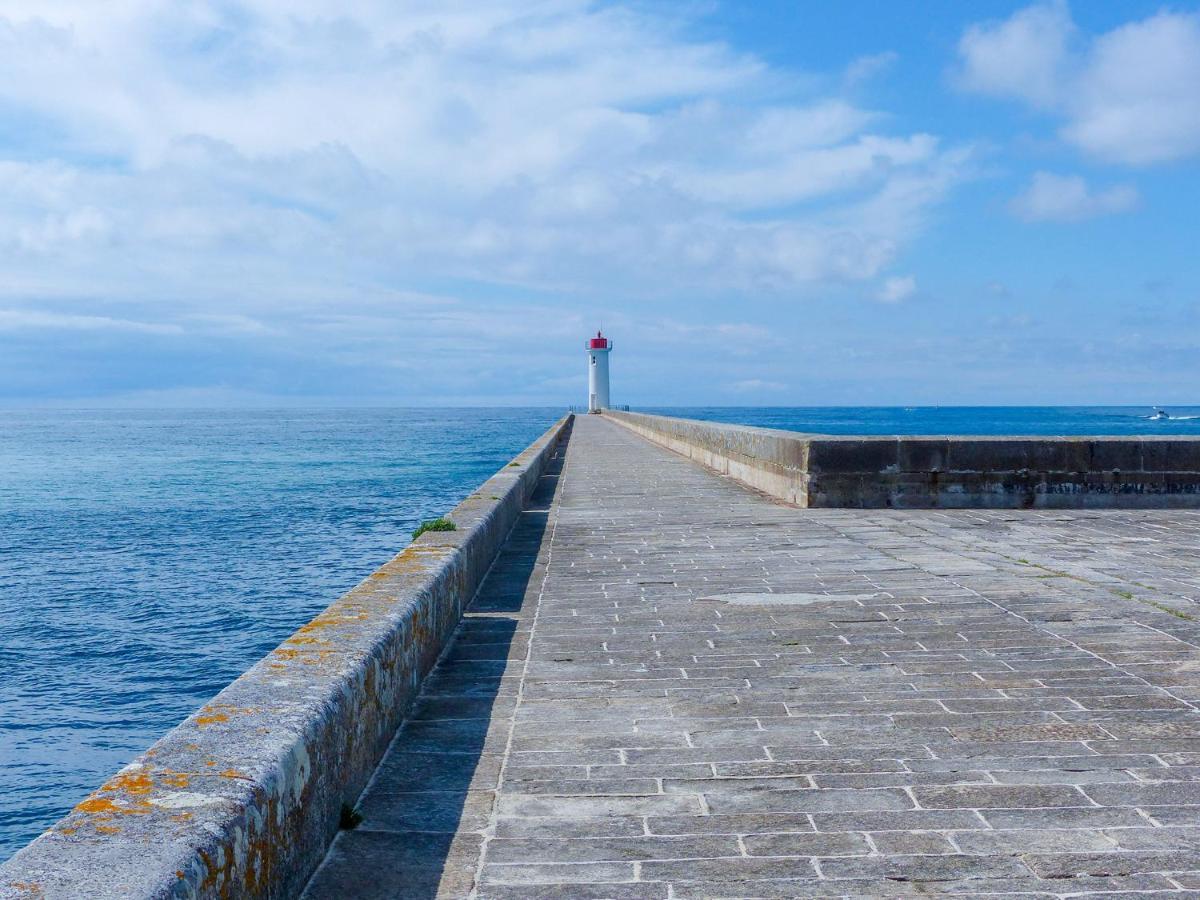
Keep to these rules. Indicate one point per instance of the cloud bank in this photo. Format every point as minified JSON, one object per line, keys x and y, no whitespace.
{"x":1067,"y":198}
{"x":539,"y":144}
{"x":266,"y":171}
{"x":1127,"y":96}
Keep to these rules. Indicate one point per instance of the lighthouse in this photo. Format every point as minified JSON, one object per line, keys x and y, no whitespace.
{"x":598,"y":349}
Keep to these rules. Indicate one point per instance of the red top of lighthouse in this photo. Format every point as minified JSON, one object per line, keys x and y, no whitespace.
{"x":599,"y":342}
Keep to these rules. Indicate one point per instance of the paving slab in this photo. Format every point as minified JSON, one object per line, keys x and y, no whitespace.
{"x":671,"y":686}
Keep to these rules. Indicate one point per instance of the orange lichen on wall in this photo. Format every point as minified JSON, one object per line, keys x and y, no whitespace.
{"x":306,"y":657}
{"x":108,"y":801}
{"x":210,"y":871}
{"x":307,"y":635}
{"x":135,"y":783}
{"x":304,"y":639}
{"x":213,"y":713}
{"x":99,"y":805}
{"x":125,"y":794}
{"x":221,"y":877}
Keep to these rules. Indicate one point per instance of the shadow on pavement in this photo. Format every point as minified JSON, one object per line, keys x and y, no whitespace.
{"x":425,"y":809}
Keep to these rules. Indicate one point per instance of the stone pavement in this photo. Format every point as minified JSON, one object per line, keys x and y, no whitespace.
{"x":672,"y":687}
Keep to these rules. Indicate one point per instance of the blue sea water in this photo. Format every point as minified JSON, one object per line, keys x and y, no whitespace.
{"x":147,"y":558}
{"x":981,"y":420}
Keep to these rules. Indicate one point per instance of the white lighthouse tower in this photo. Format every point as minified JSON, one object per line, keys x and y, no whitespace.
{"x":598,"y":349}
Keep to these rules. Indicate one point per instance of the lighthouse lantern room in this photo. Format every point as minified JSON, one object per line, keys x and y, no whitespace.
{"x":598,"y":349}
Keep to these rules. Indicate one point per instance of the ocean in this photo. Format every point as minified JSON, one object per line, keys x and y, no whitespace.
{"x":147,"y":558}
{"x":980,"y":420}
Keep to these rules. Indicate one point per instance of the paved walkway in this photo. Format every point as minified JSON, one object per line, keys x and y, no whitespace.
{"x":673,"y":687}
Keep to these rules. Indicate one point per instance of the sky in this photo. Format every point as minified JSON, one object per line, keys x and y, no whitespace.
{"x":372,"y":202}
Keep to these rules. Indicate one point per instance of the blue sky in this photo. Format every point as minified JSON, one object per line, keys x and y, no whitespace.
{"x":260,"y":202}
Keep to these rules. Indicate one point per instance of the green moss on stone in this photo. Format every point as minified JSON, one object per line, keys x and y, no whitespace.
{"x":440,"y":524}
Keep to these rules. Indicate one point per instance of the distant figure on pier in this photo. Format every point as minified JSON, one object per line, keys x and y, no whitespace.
{"x":598,"y":349}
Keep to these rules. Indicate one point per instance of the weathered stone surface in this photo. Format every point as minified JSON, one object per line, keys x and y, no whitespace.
{"x":983,"y":703}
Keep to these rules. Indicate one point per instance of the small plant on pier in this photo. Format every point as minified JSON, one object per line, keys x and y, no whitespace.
{"x":440,"y":524}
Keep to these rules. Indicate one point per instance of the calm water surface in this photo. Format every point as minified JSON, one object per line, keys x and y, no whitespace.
{"x":147,"y":558}
{"x":1044,"y":420}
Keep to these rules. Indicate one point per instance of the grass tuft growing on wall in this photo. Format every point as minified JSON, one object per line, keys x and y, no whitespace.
{"x":434,"y":525}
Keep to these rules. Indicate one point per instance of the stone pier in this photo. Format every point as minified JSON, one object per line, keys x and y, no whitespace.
{"x":669,"y":686}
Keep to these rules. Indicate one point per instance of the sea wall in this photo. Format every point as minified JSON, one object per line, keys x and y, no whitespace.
{"x":920,"y":472}
{"x":774,"y":462}
{"x":243,"y":798}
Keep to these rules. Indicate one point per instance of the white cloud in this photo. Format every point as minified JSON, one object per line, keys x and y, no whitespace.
{"x":896,"y":289}
{"x":868,"y":161}
{"x":37,"y":320}
{"x":1139,"y":98}
{"x":332,"y":197}
{"x":1024,"y":56}
{"x":549,"y":145}
{"x":1128,"y":96}
{"x":1067,"y":198}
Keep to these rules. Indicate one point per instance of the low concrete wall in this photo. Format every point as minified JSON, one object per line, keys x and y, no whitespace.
{"x":243,"y":798}
{"x":812,"y":470}
{"x":774,"y":462}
